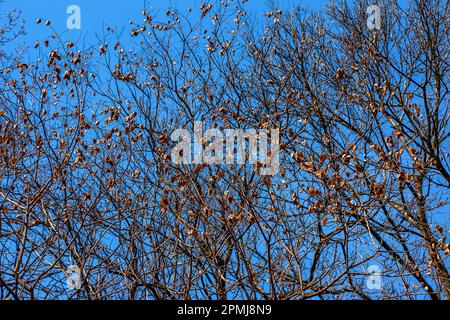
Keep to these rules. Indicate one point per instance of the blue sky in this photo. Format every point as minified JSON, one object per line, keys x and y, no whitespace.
{"x":95,"y":14}
{"x":115,"y":13}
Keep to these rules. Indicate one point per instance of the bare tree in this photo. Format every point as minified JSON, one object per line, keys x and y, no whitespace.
{"x":87,"y":176}
{"x":11,"y":26}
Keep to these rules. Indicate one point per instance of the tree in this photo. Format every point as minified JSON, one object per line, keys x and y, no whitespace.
{"x":11,"y":27}
{"x":87,"y":177}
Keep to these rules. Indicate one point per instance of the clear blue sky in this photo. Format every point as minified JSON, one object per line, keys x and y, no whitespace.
{"x":95,"y":14}
{"x":115,"y":13}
